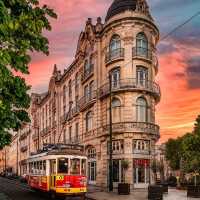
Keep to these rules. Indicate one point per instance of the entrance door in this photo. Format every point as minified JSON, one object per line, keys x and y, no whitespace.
{"x":117,"y":172}
{"x":141,"y":173}
{"x":92,"y":172}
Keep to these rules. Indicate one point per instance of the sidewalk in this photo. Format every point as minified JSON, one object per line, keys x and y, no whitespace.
{"x":138,"y":195}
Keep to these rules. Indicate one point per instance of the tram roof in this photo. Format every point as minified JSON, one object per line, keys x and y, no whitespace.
{"x":59,"y":149}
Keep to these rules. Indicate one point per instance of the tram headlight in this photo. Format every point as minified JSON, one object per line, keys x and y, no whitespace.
{"x":67,"y":185}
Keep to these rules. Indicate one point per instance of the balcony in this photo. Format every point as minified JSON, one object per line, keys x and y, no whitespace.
{"x":87,"y":73}
{"x":24,"y":148}
{"x":24,"y":135}
{"x":45,"y":131}
{"x":87,"y":100}
{"x":75,"y":140}
{"x":145,"y":54}
{"x":135,"y":127}
{"x":142,"y":152}
{"x":115,"y":55}
{"x":131,"y":85}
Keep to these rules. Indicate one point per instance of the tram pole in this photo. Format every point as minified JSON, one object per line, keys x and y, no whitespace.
{"x":110,"y":142}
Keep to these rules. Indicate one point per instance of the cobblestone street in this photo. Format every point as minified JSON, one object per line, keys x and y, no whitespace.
{"x":13,"y":190}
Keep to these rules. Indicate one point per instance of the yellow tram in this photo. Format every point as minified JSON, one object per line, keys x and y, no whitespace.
{"x":59,"y":170}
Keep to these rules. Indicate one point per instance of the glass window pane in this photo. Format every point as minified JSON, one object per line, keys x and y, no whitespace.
{"x":63,"y":165}
{"x":75,"y":166}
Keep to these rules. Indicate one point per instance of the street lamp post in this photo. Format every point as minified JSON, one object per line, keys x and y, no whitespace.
{"x":110,"y":143}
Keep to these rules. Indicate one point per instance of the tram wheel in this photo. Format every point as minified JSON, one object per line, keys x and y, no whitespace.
{"x":82,"y":197}
{"x":53,"y":195}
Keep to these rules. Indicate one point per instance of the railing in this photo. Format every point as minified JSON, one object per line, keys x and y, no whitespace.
{"x":75,"y":110}
{"x":24,"y":148}
{"x":45,"y":131}
{"x":136,"y":127}
{"x":87,"y":73}
{"x":75,"y":140}
{"x":143,"y":53}
{"x":87,"y":100}
{"x":114,"y":55}
{"x":143,"y":152}
{"x":131,"y":84}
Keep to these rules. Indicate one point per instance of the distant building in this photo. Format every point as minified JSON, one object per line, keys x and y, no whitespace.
{"x":75,"y":109}
{"x":161,"y":158}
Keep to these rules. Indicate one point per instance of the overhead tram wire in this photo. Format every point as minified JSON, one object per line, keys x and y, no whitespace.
{"x":174,"y":30}
{"x":180,"y":26}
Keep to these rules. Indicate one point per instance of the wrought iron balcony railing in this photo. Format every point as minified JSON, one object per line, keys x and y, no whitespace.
{"x":45,"y":131}
{"x":87,"y":73}
{"x":114,"y":55}
{"x":142,"y":152}
{"x":75,"y":140}
{"x":145,"y":53}
{"x":131,"y":84}
{"x":87,"y":100}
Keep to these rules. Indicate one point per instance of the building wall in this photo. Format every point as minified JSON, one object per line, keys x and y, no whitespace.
{"x":55,"y":114}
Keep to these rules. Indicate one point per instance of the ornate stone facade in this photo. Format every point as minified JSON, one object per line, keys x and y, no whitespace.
{"x":76,"y":107}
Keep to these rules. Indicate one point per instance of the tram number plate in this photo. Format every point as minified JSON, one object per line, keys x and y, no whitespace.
{"x":60,"y":178}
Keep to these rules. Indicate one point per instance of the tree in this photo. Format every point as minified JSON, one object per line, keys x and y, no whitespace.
{"x":22,"y":23}
{"x":173,"y":153}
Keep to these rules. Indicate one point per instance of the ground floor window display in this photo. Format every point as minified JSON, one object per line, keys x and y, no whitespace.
{"x":141,"y":172}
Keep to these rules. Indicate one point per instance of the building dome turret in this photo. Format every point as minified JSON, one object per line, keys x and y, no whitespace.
{"x":120,"y":6}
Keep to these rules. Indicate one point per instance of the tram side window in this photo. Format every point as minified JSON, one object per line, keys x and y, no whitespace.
{"x":35,"y":168}
{"x":75,"y":166}
{"x":83,"y":167}
{"x":63,"y":165}
{"x":40,"y":168}
{"x":44,"y":167}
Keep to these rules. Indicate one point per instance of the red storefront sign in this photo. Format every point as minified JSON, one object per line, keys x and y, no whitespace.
{"x":141,"y":162}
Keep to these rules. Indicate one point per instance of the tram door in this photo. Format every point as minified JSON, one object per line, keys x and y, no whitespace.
{"x":52,"y":173}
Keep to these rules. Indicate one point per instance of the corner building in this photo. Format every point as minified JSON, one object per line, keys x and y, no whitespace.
{"x":76,"y":107}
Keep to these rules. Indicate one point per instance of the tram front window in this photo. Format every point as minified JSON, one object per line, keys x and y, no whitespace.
{"x":63,"y":165}
{"x":75,"y":166}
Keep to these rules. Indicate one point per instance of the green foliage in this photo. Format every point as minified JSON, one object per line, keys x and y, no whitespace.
{"x":22,"y":23}
{"x":173,"y":153}
{"x":125,"y":164}
{"x":184,"y":152}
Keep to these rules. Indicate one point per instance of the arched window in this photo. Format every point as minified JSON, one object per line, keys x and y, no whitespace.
{"x":91,"y":153}
{"x":142,"y":45}
{"x":86,"y":67}
{"x":115,"y":43}
{"x":70,"y":89}
{"x":88,"y":120}
{"x":116,"y":103}
{"x":115,"y":77}
{"x":142,"y":76}
{"x":116,"y":110}
{"x":64,"y":93}
{"x":141,"y":110}
{"x":76,"y":81}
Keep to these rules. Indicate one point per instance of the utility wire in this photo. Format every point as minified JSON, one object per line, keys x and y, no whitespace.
{"x":180,"y":26}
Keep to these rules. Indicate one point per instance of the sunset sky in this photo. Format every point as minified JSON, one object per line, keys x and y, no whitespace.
{"x":179,"y":55}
